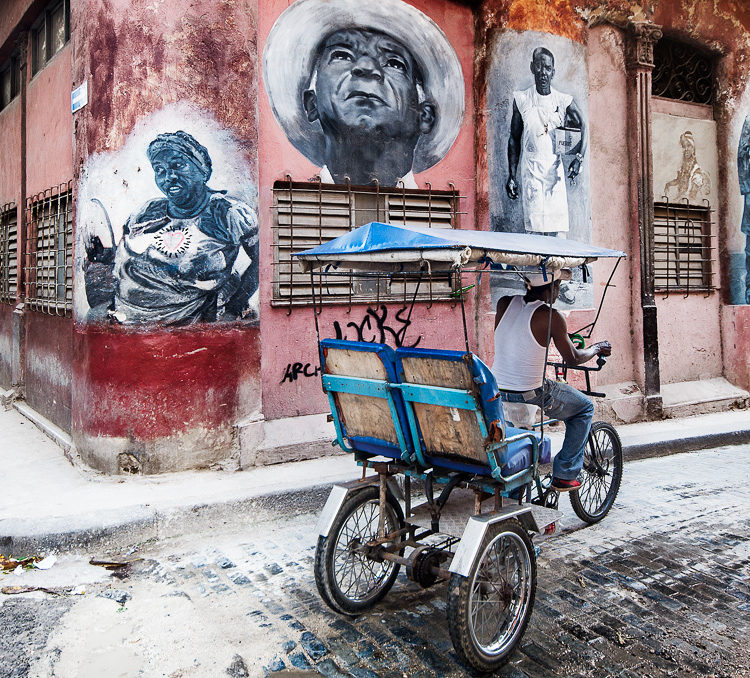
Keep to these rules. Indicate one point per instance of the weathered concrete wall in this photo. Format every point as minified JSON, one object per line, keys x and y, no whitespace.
{"x":290,"y":339}
{"x":49,"y":356}
{"x":735,"y":330}
{"x":49,"y":137}
{"x":146,"y":397}
{"x":10,"y":151}
{"x":6,"y":345}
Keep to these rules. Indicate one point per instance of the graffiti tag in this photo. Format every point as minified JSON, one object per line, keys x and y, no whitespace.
{"x":375,"y":328}
{"x":295,"y":370}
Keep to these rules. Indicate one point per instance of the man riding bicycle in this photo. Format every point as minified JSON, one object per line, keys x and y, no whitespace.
{"x":522,"y":324}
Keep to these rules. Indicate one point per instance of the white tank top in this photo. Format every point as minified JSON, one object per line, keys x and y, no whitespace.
{"x":519,"y":359}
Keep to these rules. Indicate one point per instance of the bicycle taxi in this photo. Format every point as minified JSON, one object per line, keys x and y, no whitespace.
{"x":430,"y":418}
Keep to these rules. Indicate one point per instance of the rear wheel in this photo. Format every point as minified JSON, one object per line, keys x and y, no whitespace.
{"x":488,"y":611}
{"x":348,"y":579}
{"x":601,"y":474}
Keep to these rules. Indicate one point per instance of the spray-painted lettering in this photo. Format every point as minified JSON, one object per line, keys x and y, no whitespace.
{"x":295,"y":370}
{"x":375,"y":328}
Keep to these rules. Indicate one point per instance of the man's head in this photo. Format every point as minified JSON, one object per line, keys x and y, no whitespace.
{"x":546,"y":287}
{"x":543,"y":69}
{"x":377,"y":83}
{"x":181,"y":166}
{"x":366,"y":81}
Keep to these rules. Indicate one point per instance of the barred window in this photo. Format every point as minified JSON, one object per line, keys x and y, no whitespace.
{"x":8,"y":253}
{"x":309,"y":214}
{"x":48,"y":251}
{"x":682,"y":248}
{"x":49,"y":34}
{"x":682,"y":72}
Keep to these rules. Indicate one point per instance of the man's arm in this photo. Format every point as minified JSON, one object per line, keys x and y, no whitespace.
{"x":514,"y":152}
{"x":569,"y":352}
{"x":574,"y":118}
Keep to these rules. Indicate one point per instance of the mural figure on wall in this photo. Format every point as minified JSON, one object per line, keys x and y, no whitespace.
{"x":743,"y":169}
{"x":538,"y":136}
{"x":691,"y":182}
{"x":546,"y":123}
{"x":364,"y":90}
{"x":191,"y":256}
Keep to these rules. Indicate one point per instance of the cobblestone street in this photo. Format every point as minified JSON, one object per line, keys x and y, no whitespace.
{"x":661,"y":587}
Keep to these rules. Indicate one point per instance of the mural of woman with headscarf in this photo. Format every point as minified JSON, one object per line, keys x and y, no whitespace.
{"x":191,"y":256}
{"x":743,"y":170}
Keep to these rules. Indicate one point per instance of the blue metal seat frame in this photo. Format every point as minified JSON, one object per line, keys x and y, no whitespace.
{"x":401,"y":398}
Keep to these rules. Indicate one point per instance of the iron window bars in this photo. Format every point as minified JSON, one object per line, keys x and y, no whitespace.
{"x":307,"y":214}
{"x":682,"y":72}
{"x":48,"y":251}
{"x":8,"y":253}
{"x":682,"y":248}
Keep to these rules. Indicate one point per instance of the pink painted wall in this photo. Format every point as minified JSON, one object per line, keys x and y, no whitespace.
{"x":291,"y":338}
{"x":49,"y":138}
{"x":610,"y":205}
{"x":735,"y":326}
{"x":10,"y":152}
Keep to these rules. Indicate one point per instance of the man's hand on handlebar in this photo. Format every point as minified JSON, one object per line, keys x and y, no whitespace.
{"x":603,"y":348}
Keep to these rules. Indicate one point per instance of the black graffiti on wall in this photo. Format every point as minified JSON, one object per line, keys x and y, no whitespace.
{"x":374,"y":327}
{"x":295,"y":370}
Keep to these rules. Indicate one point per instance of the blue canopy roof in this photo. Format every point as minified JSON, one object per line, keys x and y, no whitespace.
{"x":377,"y":244}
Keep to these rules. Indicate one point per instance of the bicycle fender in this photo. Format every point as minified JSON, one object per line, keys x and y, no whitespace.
{"x":339,"y":494}
{"x":532,"y":518}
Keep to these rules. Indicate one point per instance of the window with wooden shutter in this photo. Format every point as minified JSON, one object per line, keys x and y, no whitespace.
{"x":310,"y":214}
{"x":8,"y":253}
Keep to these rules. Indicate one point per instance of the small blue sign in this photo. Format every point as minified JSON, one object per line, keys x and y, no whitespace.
{"x":79,"y":97}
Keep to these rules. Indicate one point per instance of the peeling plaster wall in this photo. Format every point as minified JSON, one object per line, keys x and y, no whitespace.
{"x":152,"y":399}
{"x":6,"y":345}
{"x":49,"y":356}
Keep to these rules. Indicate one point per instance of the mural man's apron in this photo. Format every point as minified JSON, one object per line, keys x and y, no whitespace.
{"x":544,"y":197}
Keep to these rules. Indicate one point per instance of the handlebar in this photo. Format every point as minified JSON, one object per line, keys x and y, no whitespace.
{"x":561,"y":371}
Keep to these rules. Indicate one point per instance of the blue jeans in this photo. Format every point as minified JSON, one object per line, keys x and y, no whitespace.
{"x":566,"y":403}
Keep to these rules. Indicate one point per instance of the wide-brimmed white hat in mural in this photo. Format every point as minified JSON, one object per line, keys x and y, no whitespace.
{"x":294,"y":44}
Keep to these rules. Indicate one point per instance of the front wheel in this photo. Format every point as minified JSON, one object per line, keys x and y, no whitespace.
{"x":601,"y":474}
{"x":348,"y":579}
{"x":488,"y":610}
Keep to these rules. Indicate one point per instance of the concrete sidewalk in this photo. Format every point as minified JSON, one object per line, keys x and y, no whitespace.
{"x":47,"y":504}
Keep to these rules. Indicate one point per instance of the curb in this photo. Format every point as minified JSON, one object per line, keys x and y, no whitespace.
{"x":126,"y":527}
{"x":664,"y":448}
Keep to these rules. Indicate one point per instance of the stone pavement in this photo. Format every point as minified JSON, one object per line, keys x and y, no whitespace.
{"x":47,"y":503}
{"x":661,"y":587}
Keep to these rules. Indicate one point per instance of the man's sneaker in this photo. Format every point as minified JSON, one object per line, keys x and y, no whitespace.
{"x":565,"y":485}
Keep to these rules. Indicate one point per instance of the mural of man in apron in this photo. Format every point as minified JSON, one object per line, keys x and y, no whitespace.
{"x":539,"y":113}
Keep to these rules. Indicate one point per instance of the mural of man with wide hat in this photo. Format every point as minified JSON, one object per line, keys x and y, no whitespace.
{"x":364,"y":90}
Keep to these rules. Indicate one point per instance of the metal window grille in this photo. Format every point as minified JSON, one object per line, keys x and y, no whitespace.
{"x":48,"y":251}
{"x":8,"y":253}
{"x":310,"y":214}
{"x":682,"y":72}
{"x":682,"y":248}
